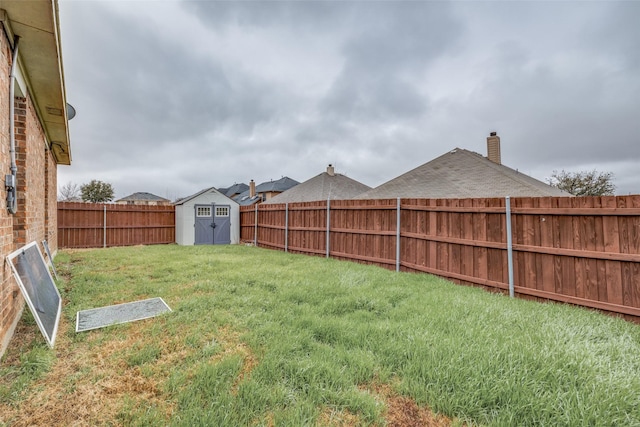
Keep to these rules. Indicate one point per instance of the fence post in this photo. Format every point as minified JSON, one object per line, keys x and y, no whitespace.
{"x":286,"y":227}
{"x":328,"y":223}
{"x":104,"y":228}
{"x":398,"y":236}
{"x":255,"y":228}
{"x":509,"y":246}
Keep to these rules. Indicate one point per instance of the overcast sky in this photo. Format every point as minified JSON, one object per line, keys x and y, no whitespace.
{"x":176,"y":96}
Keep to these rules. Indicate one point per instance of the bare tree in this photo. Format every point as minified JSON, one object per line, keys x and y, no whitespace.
{"x":585,"y":183}
{"x":69,"y":191}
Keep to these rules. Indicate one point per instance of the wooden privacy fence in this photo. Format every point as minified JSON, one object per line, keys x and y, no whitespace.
{"x":579,"y":250}
{"x":97,"y":225}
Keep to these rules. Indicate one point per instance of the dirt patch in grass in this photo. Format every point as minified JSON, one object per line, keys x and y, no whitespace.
{"x":230,"y":341}
{"x":400,"y":411}
{"x":85,"y":387}
{"x":23,"y":337}
{"x":48,"y":401}
{"x":404,"y":412}
{"x":333,"y":418}
{"x":95,"y":385}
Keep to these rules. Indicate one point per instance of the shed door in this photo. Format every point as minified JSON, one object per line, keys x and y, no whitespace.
{"x":204,"y":224}
{"x":212,"y":224}
{"x":222,"y":221}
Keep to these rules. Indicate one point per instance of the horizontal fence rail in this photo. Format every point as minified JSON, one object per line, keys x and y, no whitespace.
{"x":97,"y":225}
{"x":579,"y":250}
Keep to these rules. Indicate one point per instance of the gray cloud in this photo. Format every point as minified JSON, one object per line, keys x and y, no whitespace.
{"x":615,"y":34}
{"x":176,"y":97}
{"x":294,"y":15}
{"x":385,"y":59}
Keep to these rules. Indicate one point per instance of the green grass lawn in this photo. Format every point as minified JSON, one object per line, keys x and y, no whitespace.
{"x":260,"y":337}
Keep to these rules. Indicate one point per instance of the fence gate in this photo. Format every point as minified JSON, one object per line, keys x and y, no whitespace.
{"x":212,"y":224}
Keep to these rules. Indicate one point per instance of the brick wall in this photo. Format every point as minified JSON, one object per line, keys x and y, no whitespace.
{"x":36,"y":192}
{"x":29,"y":221}
{"x":51,"y":203}
{"x":11,"y":301}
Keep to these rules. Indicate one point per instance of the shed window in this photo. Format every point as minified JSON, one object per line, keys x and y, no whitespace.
{"x":203,"y":211}
{"x":222,"y":211}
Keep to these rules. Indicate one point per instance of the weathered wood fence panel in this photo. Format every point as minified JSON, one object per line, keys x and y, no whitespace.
{"x":582,"y":250}
{"x":96,"y":225}
{"x":462,"y":240}
{"x":307,"y":228}
{"x":364,"y":230}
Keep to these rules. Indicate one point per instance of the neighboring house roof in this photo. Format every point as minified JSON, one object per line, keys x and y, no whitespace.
{"x":281,"y":185}
{"x":142,"y":196}
{"x":193,"y":196}
{"x":243,"y":199}
{"x":327,"y":185}
{"x":462,"y":174}
{"x":234,"y":189}
{"x":39,"y":50}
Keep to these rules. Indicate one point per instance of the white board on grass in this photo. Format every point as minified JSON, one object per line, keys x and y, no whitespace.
{"x":39,"y":289}
{"x":95,"y":318}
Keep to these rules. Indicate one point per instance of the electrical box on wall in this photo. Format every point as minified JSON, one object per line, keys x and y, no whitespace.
{"x":10,"y":181}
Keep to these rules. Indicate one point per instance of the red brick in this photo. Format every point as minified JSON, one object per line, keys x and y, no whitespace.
{"x":36,"y":218}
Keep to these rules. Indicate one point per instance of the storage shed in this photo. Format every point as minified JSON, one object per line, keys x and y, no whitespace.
{"x":207,"y":218}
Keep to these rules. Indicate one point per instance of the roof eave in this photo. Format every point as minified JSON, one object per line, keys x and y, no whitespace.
{"x":40,"y":54}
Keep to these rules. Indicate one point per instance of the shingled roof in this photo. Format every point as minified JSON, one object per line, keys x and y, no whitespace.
{"x":193,"y":196}
{"x":234,"y":189}
{"x":279,"y":186}
{"x":462,"y":174}
{"x":143,"y":197}
{"x":327,"y":185}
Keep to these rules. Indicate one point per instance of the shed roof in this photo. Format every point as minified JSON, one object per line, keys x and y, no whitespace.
{"x":199,"y":193}
{"x":462,"y":174}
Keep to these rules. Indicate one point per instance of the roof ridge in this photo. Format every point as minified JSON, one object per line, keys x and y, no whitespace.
{"x":461,"y":173}
{"x":514,"y":174}
{"x":193,"y":196}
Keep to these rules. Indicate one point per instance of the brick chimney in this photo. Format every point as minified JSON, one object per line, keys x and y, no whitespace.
{"x":330,"y":170}
{"x":493,"y":148}
{"x":252,"y":189}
